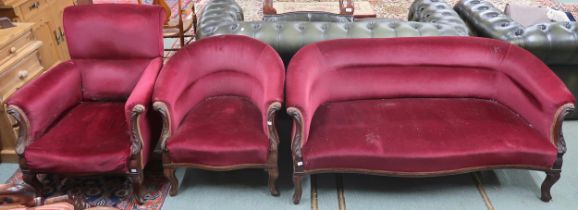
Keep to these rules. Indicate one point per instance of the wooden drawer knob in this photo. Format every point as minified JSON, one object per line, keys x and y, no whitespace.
{"x":22,"y":74}
{"x":13,"y":50}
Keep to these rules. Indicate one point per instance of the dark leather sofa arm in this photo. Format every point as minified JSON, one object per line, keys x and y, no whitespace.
{"x":218,"y":13}
{"x":554,"y":43}
{"x":436,"y":11}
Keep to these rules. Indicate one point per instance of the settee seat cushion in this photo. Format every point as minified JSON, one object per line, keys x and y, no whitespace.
{"x":423,"y":135}
{"x":92,"y":137}
{"x":220,"y":131}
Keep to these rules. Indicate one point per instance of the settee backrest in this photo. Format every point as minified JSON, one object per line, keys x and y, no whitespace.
{"x":111,"y":45}
{"x":424,"y":67}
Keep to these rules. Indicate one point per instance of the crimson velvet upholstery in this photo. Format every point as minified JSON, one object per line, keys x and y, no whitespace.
{"x":90,"y":115}
{"x":382,"y":106}
{"x":219,"y":97}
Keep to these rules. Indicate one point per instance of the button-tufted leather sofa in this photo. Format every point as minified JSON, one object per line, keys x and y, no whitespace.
{"x":426,"y":18}
{"x":553,"y":42}
{"x":475,"y":104}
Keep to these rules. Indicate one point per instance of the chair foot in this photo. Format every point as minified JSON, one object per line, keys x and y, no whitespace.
{"x":31,"y":179}
{"x":551,"y":178}
{"x":298,"y":189}
{"x":137,"y":180}
{"x":174,"y":182}
{"x":273,"y":176}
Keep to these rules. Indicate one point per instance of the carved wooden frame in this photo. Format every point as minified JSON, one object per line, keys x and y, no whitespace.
{"x":345,"y":7}
{"x":135,"y":164}
{"x":271,"y":166}
{"x":552,"y":174}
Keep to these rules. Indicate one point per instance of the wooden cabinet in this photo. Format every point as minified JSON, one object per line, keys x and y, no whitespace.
{"x":19,"y":63}
{"x":47,"y":16}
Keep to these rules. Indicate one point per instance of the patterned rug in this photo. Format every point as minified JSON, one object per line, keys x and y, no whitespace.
{"x":112,"y":191}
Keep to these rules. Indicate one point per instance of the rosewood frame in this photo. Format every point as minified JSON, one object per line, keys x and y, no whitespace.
{"x":552,"y":174}
{"x":135,"y":164}
{"x":345,"y":7}
{"x":271,"y":166}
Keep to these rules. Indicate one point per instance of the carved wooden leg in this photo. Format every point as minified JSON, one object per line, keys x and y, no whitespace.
{"x":137,"y":180}
{"x":273,"y":175}
{"x":170,"y":175}
{"x":551,"y":178}
{"x":298,"y":188}
{"x":31,"y":179}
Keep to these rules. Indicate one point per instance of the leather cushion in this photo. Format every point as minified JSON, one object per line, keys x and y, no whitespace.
{"x":220,"y":131}
{"x":90,"y":138}
{"x":313,"y":16}
{"x":423,"y":135}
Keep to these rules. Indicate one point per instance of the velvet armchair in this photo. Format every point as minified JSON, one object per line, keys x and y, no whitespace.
{"x":90,"y":115}
{"x":383,"y":106}
{"x":219,"y":98}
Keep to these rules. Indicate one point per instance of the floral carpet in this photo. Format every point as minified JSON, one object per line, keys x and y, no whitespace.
{"x":112,"y":191}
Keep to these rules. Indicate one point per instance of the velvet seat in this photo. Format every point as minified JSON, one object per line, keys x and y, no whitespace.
{"x":233,"y":136}
{"x":94,"y":132}
{"x":219,"y":98}
{"x":388,"y":107}
{"x":422,"y":136}
{"x":90,"y":115}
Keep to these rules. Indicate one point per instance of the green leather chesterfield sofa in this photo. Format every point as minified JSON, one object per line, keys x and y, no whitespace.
{"x":555,"y":43}
{"x":288,"y":32}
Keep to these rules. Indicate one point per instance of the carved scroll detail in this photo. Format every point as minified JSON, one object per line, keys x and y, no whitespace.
{"x":23,"y":139}
{"x":295,"y":113}
{"x":136,"y":140}
{"x":162,"y":108}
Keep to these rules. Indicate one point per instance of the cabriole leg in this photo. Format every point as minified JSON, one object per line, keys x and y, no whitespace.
{"x":273,"y":176}
{"x":170,"y":175}
{"x":137,"y":181}
{"x":551,"y":178}
{"x":298,"y":188}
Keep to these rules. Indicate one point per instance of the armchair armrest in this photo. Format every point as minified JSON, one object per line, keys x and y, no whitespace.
{"x":137,"y":107}
{"x":36,"y":105}
{"x":533,"y":91}
{"x":301,"y":104}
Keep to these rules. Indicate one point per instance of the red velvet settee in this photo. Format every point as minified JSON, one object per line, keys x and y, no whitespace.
{"x":425,"y":106}
{"x":90,"y":115}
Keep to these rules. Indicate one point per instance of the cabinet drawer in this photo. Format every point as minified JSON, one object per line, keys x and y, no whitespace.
{"x":31,"y":8}
{"x":16,"y":75}
{"x":12,"y":48}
